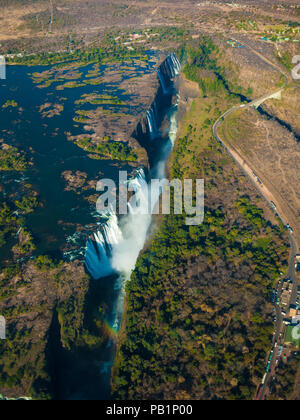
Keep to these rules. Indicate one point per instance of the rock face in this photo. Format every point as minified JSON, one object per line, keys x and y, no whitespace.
{"x":150,"y":121}
{"x":120,"y":126}
{"x":188,"y":91}
{"x":148,"y":125}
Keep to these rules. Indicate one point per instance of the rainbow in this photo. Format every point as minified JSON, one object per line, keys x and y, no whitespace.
{"x":111,"y":330}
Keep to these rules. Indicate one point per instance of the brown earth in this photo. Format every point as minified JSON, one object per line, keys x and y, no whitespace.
{"x":47,"y":24}
{"x":273,"y":153}
{"x":242,"y":70}
{"x":120,"y":126}
{"x":288,"y":109}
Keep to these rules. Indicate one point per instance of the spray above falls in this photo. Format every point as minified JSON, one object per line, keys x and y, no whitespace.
{"x":115,"y":250}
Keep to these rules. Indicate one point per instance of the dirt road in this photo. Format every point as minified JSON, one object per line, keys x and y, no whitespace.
{"x":270,"y":196}
{"x":284,"y":215}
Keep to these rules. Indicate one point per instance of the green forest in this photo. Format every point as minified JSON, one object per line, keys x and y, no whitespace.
{"x":199,"y":315}
{"x":11,"y":159}
{"x":107,"y":150}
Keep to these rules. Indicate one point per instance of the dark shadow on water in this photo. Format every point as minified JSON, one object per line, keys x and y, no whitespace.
{"x":83,"y":374}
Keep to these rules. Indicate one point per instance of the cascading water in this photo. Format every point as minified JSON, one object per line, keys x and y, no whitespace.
{"x":169,"y":69}
{"x":173,"y":122}
{"x":110,"y":251}
{"x":176,"y":64}
{"x":151,"y":118}
{"x":100,"y":248}
{"x":115,"y":248}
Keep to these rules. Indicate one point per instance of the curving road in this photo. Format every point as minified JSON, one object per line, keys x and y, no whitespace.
{"x":271,"y":199}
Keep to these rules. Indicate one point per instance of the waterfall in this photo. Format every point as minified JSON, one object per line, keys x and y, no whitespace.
{"x":162,"y":82}
{"x":175,"y":64}
{"x":115,"y":248}
{"x":170,"y":67}
{"x":166,"y":73}
{"x":173,"y":122}
{"x":113,"y":251}
{"x":100,"y":248}
{"x":152,"y":122}
{"x":135,"y":226}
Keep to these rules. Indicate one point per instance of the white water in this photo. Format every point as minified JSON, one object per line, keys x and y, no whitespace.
{"x":116,"y":247}
{"x":172,"y":68}
{"x":101,"y":247}
{"x":162,"y":82}
{"x":152,"y":124}
{"x":173,"y":122}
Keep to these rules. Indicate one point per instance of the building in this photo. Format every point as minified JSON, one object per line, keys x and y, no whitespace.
{"x":285,"y":298}
{"x":292,"y":311}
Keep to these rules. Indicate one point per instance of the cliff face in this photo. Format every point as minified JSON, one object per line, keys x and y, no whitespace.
{"x":151,"y":119}
{"x":147,"y":129}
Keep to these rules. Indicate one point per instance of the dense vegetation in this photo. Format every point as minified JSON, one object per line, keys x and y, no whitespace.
{"x":11,"y":103}
{"x":202,"y":65}
{"x":107,"y":150}
{"x":26,"y":365}
{"x":11,"y":159}
{"x":8,"y":223}
{"x":198,"y":322}
{"x":108,"y":53}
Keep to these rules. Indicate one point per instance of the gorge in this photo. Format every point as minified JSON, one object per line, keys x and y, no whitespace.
{"x":114,"y":249}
